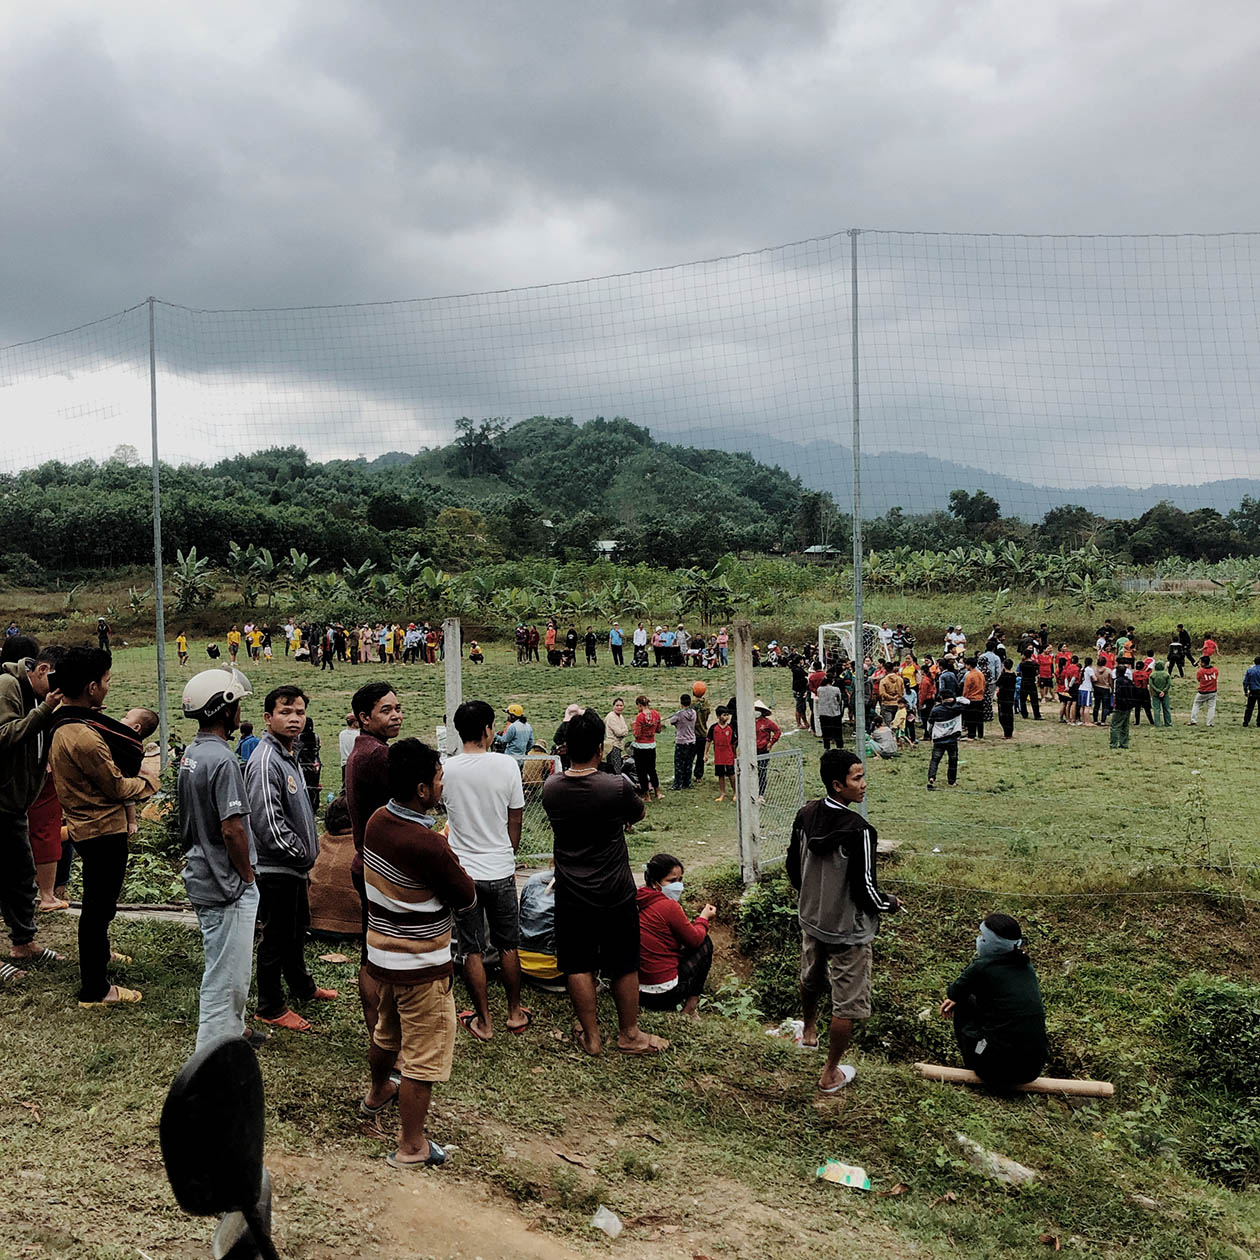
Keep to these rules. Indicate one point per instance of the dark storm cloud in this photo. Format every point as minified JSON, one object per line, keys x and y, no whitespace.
{"x":312,"y":153}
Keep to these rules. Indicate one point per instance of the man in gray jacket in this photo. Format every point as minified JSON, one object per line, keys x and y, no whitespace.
{"x":283,"y":824}
{"x":831,"y":863}
{"x":27,"y":702}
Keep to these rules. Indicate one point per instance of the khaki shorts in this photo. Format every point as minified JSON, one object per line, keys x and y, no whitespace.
{"x":848,"y":970}
{"x":419,"y":1020}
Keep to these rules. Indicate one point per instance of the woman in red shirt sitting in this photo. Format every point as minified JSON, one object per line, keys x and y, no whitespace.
{"x":675,"y":953}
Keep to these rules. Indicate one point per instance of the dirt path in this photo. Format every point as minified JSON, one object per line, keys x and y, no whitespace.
{"x":407,"y":1216}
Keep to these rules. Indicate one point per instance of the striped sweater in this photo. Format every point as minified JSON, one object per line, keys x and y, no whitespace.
{"x":413,"y":883}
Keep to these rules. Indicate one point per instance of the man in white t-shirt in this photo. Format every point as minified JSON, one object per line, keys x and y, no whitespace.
{"x":885,"y":641}
{"x":345,"y":742}
{"x":485,"y":804}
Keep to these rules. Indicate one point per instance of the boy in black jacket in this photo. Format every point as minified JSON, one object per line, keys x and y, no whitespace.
{"x":831,"y":863}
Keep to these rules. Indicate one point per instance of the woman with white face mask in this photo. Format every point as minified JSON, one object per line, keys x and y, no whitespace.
{"x":675,"y":952}
{"x":996,"y":1006}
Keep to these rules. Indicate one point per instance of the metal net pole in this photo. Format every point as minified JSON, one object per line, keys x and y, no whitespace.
{"x":859,"y":624}
{"x":159,"y":611}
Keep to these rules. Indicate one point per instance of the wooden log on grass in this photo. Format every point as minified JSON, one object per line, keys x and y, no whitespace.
{"x":1042,"y":1085}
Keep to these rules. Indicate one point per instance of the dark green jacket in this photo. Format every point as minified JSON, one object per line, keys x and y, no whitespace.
{"x":24,"y":721}
{"x":999,"y":1001}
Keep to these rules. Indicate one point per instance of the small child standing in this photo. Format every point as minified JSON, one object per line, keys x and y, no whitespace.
{"x":684,"y":724}
{"x":722,"y":737}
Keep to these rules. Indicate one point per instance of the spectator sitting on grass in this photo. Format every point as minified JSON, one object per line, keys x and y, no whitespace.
{"x":996,"y":1006}
{"x":883,"y":739}
{"x":675,"y":952}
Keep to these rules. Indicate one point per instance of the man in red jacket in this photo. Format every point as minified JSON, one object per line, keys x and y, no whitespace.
{"x":675,"y":953}
{"x":1207,"y":677}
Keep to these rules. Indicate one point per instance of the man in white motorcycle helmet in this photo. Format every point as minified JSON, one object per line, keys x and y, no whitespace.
{"x":219,"y":850}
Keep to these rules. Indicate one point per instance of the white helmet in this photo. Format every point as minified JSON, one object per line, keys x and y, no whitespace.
{"x":213,"y":690}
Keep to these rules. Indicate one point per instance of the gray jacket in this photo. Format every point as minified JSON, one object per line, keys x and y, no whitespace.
{"x":280,"y":813}
{"x":831,"y":863}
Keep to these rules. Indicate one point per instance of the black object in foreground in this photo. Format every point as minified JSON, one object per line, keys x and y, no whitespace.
{"x":212,"y":1145}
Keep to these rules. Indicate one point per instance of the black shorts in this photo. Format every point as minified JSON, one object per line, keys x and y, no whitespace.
{"x":597,"y":939}
{"x":724,"y":772}
{"x":496,"y":905}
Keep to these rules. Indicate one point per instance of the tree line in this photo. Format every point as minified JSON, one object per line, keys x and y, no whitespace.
{"x":544,"y":488}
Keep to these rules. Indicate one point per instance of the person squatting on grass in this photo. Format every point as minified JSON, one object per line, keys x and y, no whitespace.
{"x":287,"y":842}
{"x":597,"y":920}
{"x":675,"y":953}
{"x":831,"y":863}
{"x":219,"y":853}
{"x":999,"y":1018}
{"x":485,"y":805}
{"x":413,"y":884}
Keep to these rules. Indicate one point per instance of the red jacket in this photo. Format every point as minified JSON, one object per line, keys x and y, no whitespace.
{"x":664,"y":933}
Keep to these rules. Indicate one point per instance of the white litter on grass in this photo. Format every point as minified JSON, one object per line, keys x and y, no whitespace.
{"x":608,"y":1221}
{"x":789,"y":1030}
{"x":936,"y":850}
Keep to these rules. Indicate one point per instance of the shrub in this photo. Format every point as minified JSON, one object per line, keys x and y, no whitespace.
{"x":1218,"y":1026}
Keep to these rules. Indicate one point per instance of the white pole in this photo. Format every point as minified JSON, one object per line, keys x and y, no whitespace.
{"x":159,"y":612}
{"x":746,"y":782}
{"x":454,"y":682}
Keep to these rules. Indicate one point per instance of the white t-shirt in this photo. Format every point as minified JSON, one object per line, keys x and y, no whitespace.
{"x":885,"y":635}
{"x":1087,"y":679}
{"x":345,"y":742}
{"x":640,"y":637}
{"x":478,"y":790}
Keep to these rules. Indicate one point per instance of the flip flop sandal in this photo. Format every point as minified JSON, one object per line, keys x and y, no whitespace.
{"x":436,"y":1158}
{"x":529,"y":1019}
{"x":847,"y":1074}
{"x":466,"y":1019}
{"x":9,"y":972}
{"x":56,"y":905}
{"x":323,"y":995}
{"x":290,"y":1020}
{"x":126,"y":997}
{"x":579,"y":1037}
{"x":44,"y":956}
{"x":372,"y":1112}
{"x":120,"y":958}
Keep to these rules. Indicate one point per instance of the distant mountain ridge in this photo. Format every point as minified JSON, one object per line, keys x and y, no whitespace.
{"x":921,"y":483}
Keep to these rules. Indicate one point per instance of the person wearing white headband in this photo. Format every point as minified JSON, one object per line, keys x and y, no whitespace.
{"x":999,"y":1018}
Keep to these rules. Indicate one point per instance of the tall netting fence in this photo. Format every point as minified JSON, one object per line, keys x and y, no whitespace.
{"x":1102,"y":373}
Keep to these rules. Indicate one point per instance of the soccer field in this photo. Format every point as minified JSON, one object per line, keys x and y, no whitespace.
{"x":1053,"y":810}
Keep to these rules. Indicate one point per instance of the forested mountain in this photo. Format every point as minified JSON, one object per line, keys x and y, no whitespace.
{"x":546,"y":487}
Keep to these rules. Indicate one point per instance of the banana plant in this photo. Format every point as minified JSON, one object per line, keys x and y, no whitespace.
{"x":358,"y":581}
{"x":192,"y":580}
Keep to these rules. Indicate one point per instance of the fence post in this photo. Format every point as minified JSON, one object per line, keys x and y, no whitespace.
{"x":454,"y":649}
{"x":159,"y":612}
{"x":746,"y":781}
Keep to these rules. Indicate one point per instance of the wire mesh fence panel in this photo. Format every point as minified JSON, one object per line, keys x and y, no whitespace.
{"x":536,"y":836}
{"x":780,"y":794}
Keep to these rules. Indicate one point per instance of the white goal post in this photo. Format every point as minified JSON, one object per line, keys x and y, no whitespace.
{"x":843,"y":631}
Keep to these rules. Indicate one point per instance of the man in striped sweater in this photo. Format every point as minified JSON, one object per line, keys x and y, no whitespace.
{"x":413,"y":883}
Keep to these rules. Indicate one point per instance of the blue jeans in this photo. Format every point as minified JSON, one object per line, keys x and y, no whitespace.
{"x":227,"y":933}
{"x":725,"y":654}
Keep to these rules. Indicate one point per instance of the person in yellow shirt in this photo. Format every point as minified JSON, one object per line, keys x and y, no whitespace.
{"x":255,"y":643}
{"x":234,"y":642}
{"x":181,"y":647}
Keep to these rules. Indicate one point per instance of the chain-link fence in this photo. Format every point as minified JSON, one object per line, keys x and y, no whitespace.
{"x":780,"y":793}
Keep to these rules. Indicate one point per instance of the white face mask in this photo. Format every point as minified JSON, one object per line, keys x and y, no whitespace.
{"x":673,"y":891}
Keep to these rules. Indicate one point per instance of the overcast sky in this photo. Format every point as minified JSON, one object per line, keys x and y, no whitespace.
{"x":280,"y":154}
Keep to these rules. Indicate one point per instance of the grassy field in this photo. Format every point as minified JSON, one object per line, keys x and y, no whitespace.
{"x":1131,"y":872}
